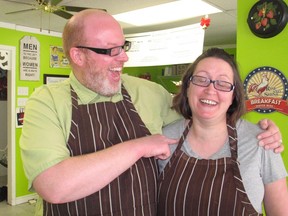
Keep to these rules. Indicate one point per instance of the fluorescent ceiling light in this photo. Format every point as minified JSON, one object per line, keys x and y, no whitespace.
{"x":169,"y":12}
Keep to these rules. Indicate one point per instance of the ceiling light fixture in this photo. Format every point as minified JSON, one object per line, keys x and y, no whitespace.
{"x":169,"y":12}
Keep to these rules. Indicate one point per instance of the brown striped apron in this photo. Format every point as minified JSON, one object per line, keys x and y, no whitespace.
{"x":99,"y":126}
{"x":198,"y":187}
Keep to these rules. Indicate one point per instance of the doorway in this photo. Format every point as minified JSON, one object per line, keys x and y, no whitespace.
{"x":3,"y":124}
{"x":8,"y":60}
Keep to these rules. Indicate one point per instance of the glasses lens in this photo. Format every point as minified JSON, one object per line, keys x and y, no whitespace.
{"x":201,"y":81}
{"x":127,"y":46}
{"x":218,"y":84}
{"x":223,"y":86}
{"x":115,"y":51}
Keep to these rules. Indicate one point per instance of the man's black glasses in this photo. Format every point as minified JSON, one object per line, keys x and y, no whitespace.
{"x":114,"y":51}
{"x":218,"y":84}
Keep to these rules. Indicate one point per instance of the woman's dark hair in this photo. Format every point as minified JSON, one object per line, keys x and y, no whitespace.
{"x":236,"y":109}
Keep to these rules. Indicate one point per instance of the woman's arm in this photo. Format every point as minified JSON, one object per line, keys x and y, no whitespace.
{"x":276,"y":198}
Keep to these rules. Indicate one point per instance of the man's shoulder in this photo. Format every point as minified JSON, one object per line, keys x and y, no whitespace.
{"x":58,"y":91}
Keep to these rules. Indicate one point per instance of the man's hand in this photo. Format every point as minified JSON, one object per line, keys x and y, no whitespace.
{"x":156,"y":146}
{"x":271,"y":138}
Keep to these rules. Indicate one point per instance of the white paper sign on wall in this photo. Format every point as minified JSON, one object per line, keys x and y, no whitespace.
{"x":29,"y":58}
{"x":166,"y":47}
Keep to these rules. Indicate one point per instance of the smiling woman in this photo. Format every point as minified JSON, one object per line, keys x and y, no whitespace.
{"x":217,"y":167}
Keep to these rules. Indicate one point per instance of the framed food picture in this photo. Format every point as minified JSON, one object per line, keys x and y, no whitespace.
{"x":54,"y":78}
{"x":58,"y":58}
{"x":267,"y":18}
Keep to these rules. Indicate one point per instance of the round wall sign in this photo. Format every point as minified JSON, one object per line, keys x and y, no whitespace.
{"x":266,"y":90}
{"x":268,"y":18}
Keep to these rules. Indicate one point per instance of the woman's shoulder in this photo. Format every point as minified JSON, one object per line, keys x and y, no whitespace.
{"x":175,"y":129}
{"x":249,"y":129}
{"x":247,"y":133}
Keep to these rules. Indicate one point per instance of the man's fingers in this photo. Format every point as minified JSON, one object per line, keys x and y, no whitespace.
{"x":279,"y":149}
{"x":266,"y":138}
{"x":274,"y":145}
{"x":264,"y":124}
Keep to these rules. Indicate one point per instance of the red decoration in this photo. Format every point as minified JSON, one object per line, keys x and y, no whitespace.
{"x":205,"y":22}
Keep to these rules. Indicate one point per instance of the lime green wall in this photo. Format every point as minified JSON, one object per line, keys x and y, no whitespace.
{"x":153,"y":71}
{"x":254,"y":52}
{"x":11,"y":37}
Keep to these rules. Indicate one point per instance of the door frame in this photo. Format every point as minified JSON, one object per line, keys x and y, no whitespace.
{"x":11,"y":125}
